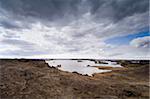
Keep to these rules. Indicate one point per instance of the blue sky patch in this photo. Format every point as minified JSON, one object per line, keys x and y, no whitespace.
{"x":124,"y":40}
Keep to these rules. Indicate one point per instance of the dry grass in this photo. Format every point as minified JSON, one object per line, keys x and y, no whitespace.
{"x":33,"y":79}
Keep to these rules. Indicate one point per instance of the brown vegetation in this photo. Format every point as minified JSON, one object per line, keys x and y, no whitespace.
{"x":34,"y":79}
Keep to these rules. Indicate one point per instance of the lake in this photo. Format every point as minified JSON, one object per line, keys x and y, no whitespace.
{"x":81,"y":66}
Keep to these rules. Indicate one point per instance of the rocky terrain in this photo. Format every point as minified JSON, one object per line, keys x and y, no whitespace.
{"x":34,"y":79}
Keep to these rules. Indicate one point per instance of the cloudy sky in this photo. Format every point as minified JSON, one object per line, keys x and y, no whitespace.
{"x":74,"y":29}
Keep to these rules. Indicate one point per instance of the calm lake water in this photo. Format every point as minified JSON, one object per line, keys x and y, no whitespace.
{"x":80,"y":66}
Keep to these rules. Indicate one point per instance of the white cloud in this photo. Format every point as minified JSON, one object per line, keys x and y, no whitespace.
{"x":141,"y":42}
{"x":128,"y":52}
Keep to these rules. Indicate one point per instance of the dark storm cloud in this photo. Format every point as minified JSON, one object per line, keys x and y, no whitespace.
{"x":26,"y":48}
{"x":9,"y":25}
{"x":118,"y":9}
{"x":47,"y":9}
{"x":22,"y":53}
{"x":10,"y":35}
{"x":66,"y":10}
{"x":115,"y":54}
{"x":129,"y":7}
{"x":25,"y":45}
{"x":16,"y":42}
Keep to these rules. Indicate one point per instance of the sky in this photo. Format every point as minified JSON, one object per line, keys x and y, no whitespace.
{"x":112,"y":29}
